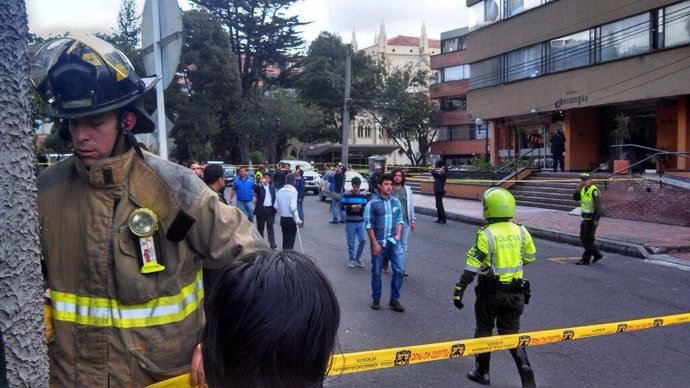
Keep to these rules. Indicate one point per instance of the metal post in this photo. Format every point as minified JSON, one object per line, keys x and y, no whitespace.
{"x":160,"y":104}
{"x":346,"y":107}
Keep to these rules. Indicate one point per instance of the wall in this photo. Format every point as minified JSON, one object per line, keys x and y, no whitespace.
{"x":666,"y":136}
{"x":583,"y":138}
{"x":448,"y":89}
{"x":458,"y":147}
{"x":643,"y":200}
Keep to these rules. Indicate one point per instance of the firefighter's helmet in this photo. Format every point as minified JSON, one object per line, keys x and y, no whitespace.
{"x":86,"y":76}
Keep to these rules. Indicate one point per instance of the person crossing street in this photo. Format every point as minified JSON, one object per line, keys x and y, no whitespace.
{"x":500,"y":251}
{"x":590,"y":212}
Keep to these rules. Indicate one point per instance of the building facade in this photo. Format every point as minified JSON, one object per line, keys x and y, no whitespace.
{"x":536,"y":66}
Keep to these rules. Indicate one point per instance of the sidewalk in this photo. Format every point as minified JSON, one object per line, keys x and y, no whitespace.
{"x":645,"y":240}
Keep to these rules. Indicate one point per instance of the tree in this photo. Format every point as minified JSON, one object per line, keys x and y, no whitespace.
{"x":21,"y":282}
{"x":322,"y":82}
{"x":260,"y":35}
{"x":203,"y":107}
{"x":126,"y":35}
{"x":405,"y":112}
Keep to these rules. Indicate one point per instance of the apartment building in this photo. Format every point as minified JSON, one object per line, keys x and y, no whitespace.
{"x":536,"y":66}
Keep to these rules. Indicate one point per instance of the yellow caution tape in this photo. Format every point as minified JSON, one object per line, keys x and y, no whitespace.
{"x":175,"y":382}
{"x":387,"y":358}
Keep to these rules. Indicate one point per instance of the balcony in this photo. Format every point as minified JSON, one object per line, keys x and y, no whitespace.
{"x":449,"y":89}
{"x":453,"y":58}
{"x":454,"y":117}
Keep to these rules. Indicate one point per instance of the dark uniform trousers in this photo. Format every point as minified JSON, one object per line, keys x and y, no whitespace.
{"x":587,"y":232}
{"x":501,"y":309}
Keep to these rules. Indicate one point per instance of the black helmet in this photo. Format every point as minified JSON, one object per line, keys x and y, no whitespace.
{"x":86,"y":76}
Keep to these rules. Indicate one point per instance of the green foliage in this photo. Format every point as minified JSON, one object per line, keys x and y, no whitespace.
{"x":202,"y":107}
{"x":323,"y":80}
{"x":260,"y":35}
{"x":481,"y":164}
{"x":621,"y":132}
{"x":256,"y":157}
{"x":405,"y":111}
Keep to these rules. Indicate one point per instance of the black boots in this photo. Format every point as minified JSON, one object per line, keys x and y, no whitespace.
{"x":525,"y":370}
{"x":481,"y":372}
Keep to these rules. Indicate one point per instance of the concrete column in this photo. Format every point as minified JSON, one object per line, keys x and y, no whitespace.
{"x":683,"y":130}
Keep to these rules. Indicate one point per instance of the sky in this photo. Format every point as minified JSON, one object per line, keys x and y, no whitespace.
{"x":401,"y":17}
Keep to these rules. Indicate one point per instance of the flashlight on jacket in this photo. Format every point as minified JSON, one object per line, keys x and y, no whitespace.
{"x":143,"y":223}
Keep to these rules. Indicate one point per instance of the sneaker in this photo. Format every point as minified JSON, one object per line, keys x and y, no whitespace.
{"x":396,"y":306}
{"x":582,"y":262}
{"x":342,"y":222}
{"x":405,"y":273}
{"x":333,"y":222}
{"x":375,"y":304}
{"x":359,"y":264}
{"x":351,"y":264}
{"x":597,"y":258}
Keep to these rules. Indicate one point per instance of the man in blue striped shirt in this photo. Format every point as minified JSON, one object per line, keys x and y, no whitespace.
{"x":384,"y":223}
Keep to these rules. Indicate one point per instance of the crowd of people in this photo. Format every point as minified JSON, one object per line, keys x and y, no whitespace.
{"x":132,"y":243}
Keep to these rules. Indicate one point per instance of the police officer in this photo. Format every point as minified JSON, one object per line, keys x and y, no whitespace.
{"x":590,"y":212}
{"x":123,"y":232}
{"x":500,"y":251}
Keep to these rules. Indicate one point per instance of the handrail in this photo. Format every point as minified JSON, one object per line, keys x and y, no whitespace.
{"x":682,"y":154}
{"x":515,"y":160}
{"x":658,"y":152}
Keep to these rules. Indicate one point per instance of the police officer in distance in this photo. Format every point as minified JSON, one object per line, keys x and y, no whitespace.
{"x":123,"y":232}
{"x":499,"y":253}
{"x":590,"y":212}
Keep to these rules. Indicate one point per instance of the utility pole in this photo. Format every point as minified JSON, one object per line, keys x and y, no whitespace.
{"x":346,"y":107}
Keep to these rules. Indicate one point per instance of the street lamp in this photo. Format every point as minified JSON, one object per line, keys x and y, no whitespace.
{"x":479,"y":122}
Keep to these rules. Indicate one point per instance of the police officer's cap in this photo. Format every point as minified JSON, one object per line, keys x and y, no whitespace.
{"x":585,"y":176}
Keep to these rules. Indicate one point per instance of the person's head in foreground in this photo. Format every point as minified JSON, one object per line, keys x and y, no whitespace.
{"x":272,"y":322}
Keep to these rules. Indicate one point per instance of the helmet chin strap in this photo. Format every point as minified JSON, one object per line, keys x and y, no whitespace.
{"x":129,"y":139}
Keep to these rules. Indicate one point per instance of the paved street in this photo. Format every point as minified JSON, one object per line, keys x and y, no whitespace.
{"x":618,"y":288}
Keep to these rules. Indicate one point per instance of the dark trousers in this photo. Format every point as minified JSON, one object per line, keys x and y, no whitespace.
{"x":266,"y":216}
{"x":587,"y":232}
{"x":558,"y":159}
{"x":503,"y":310}
{"x":441,"y":212}
{"x":289,"y":228}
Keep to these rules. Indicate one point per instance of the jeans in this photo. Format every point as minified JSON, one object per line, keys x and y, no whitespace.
{"x":300,"y":208}
{"x":397,"y":260}
{"x":404,"y":236}
{"x":246,"y":207}
{"x":335,"y":210}
{"x":355,"y":229}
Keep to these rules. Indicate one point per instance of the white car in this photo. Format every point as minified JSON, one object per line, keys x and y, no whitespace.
{"x":349,"y":174}
{"x":312,"y":181}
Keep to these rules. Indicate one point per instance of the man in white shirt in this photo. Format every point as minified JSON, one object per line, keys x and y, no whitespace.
{"x":286,"y":205}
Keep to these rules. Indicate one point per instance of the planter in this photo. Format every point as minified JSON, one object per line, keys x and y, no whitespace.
{"x":621,"y":166}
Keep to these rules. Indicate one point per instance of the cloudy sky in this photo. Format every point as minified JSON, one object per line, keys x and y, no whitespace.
{"x":401,"y":17}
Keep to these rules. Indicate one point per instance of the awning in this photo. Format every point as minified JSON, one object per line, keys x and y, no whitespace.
{"x":368,"y":149}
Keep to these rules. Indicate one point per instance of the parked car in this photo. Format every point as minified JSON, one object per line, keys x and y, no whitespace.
{"x":303,"y":165}
{"x":229,"y":173}
{"x":312,"y":181}
{"x":326,"y":193}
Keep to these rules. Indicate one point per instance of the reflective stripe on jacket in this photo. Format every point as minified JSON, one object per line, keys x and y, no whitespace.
{"x":502,"y":247}
{"x":113,"y":325}
{"x":587,"y":205}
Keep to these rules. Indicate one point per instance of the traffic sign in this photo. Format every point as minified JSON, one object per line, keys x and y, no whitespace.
{"x":170,"y":41}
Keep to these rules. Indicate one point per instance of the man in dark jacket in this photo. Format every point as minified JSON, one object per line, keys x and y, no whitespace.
{"x":264,"y":211}
{"x":557,"y":149}
{"x":440,"y":174}
{"x":215,"y":180}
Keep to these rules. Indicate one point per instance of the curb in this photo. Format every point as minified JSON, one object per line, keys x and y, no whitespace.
{"x":607,"y":245}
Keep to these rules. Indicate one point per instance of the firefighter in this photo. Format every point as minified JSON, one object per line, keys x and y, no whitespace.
{"x":590,"y":212}
{"x":123,"y":231}
{"x":498,"y":255}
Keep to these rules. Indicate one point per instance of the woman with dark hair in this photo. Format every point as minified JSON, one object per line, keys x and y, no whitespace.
{"x":272,"y":322}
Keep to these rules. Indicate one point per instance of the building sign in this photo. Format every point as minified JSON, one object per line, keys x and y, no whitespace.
{"x":576,"y":100}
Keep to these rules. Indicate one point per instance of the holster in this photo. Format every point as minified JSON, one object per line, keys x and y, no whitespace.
{"x":522,"y":286}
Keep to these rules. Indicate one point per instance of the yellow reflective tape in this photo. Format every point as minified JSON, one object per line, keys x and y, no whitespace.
{"x":96,"y":311}
{"x":387,"y":358}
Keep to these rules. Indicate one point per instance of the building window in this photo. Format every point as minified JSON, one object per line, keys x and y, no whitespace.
{"x":368,"y":131}
{"x":524,"y":63}
{"x":676,"y":26}
{"x":455,"y":73}
{"x":453,"y":44}
{"x":485,"y":73}
{"x":570,"y":51}
{"x":625,"y":38}
{"x":451,"y":104}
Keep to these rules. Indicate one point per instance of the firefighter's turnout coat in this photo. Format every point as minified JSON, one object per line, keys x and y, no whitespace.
{"x":114,"y":325}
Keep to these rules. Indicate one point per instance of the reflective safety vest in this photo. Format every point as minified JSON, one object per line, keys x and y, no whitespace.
{"x":502,"y":248}
{"x":587,"y":205}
